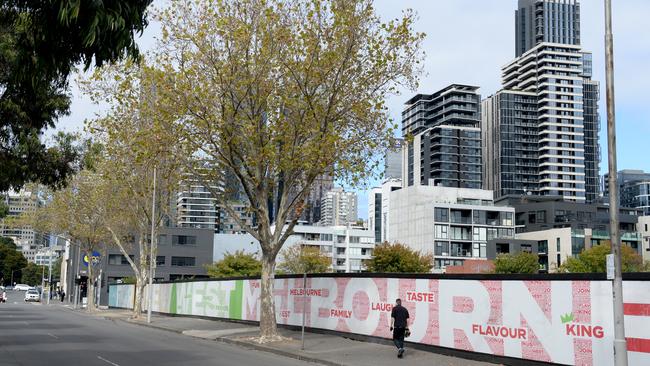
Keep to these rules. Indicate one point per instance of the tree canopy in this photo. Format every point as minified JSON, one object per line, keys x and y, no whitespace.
{"x":234,"y":265}
{"x":594,"y":260}
{"x":522,"y":262}
{"x":277,"y":93}
{"x":397,"y":257}
{"x":304,"y":259}
{"x":11,"y":260}
{"x":40,"y":43}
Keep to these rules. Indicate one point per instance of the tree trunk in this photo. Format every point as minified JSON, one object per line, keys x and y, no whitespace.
{"x":140,"y":282}
{"x":268,"y":326}
{"x":90,"y":282}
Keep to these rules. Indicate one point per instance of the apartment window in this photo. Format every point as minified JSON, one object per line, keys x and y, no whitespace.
{"x":340,"y":262}
{"x":442,"y":248}
{"x":355,"y":251}
{"x":557,"y":244}
{"x":365,"y":251}
{"x":442,"y":215}
{"x":527,"y":248}
{"x":483,"y":250}
{"x":354,"y":239}
{"x":162,"y":239}
{"x":326,"y":237}
{"x":542,"y":246}
{"x":183,"y":240}
{"x":160,"y":260}
{"x":118,"y":259}
{"x":340,"y":250}
{"x":183,"y":261}
{"x":442,"y":232}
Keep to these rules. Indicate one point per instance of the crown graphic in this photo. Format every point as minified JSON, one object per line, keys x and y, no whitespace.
{"x":566,"y":318}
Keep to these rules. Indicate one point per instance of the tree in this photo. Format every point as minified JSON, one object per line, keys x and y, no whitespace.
{"x":79,"y":212}
{"x":277,"y":93}
{"x":11,"y":261}
{"x":32,"y":274}
{"x":234,"y":265}
{"x":135,"y":144}
{"x":40,"y":44}
{"x":304,"y":259}
{"x":593,"y":260}
{"x":4,"y":208}
{"x":396,"y":257}
{"x":522,"y":262}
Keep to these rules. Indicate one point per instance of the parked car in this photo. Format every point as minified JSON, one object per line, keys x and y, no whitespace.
{"x":22,"y":287}
{"x":32,"y":295}
{"x":9,"y":288}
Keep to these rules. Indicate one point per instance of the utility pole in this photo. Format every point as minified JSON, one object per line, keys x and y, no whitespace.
{"x":152,"y":258}
{"x":620,"y":344}
{"x":49,"y":276}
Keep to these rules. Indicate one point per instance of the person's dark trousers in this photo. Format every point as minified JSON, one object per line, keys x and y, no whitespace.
{"x":398,"y":337}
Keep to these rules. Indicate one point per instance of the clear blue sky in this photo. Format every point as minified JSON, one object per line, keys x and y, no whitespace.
{"x":469,"y":40}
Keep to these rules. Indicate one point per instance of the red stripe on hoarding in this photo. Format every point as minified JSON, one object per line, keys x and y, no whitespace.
{"x":638,"y":345}
{"x":636,"y":309}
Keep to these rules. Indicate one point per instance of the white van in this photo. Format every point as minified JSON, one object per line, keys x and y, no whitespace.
{"x":22,"y":287}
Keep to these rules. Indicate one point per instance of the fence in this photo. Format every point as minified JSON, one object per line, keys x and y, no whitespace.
{"x":566,"y":319}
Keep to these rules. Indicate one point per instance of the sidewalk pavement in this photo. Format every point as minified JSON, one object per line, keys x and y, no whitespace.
{"x":325,"y":349}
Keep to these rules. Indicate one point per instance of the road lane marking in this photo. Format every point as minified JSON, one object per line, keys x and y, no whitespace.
{"x":107,"y":361}
{"x":52,"y":335}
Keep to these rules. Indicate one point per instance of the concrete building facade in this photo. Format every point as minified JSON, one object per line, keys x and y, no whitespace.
{"x":452,"y":224}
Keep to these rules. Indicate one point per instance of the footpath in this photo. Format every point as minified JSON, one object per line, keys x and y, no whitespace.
{"x":325,"y":349}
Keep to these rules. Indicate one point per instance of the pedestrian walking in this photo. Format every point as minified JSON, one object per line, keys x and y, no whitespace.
{"x":399,"y":325}
{"x":62,"y":295}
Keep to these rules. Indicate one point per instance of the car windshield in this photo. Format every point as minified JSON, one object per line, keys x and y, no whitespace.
{"x":33,"y":292}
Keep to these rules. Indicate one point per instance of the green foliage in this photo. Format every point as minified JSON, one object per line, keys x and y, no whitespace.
{"x":32,"y":274}
{"x":522,"y":262}
{"x":10,"y":260}
{"x":40,"y":43}
{"x":398,"y":257}
{"x":299,"y":259}
{"x":4,"y":209}
{"x":129,"y":280}
{"x":235,"y":264}
{"x":593,"y":260}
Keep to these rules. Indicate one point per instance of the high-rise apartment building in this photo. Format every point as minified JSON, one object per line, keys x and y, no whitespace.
{"x":546,"y":21}
{"x":633,"y":188}
{"x":541,"y":129}
{"x":393,"y":161}
{"x":378,"y":208}
{"x":28,"y":240}
{"x":338,"y":208}
{"x":445,"y":149}
{"x":196,"y":207}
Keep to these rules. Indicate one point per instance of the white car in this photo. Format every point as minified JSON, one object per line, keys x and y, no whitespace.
{"x":32,"y":295}
{"x":22,"y":287}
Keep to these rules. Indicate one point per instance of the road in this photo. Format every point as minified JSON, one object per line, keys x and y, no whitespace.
{"x":35,"y":334}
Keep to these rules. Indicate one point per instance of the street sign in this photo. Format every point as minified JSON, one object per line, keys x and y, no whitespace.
{"x":95,"y":259}
{"x":610,"y":266}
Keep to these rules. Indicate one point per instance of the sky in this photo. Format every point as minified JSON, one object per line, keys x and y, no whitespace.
{"x":468,"y":41}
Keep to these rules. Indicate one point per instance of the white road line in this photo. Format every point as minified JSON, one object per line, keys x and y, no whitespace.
{"x":107,"y":361}
{"x":52,"y":335}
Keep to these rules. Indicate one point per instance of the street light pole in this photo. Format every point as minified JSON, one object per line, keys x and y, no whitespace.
{"x":620,"y":344}
{"x":49,"y":276}
{"x":152,"y":258}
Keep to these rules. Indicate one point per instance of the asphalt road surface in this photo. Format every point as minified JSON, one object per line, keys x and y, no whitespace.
{"x":35,"y":334}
